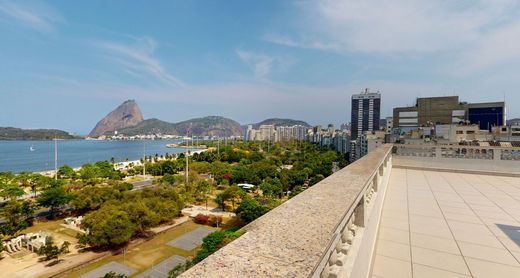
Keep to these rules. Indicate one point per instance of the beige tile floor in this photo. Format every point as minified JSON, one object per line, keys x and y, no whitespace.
{"x":441,"y":224}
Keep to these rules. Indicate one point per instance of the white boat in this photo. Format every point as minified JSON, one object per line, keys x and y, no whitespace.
{"x":32,"y":148}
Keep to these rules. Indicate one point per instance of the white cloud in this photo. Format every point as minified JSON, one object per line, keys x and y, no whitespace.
{"x":139,"y":57}
{"x":38,"y":16}
{"x":389,"y":26}
{"x":261,"y":63}
{"x":498,"y":51}
{"x":474,"y":34}
{"x":302,"y":43}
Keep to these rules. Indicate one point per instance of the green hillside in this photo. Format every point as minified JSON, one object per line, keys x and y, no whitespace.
{"x":11,"y":133}
{"x":206,"y":126}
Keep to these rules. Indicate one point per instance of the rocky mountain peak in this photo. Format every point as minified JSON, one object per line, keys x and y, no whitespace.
{"x":125,"y":115}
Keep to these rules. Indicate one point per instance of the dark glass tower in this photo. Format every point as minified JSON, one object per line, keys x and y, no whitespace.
{"x":487,"y":115}
{"x":366,"y":109}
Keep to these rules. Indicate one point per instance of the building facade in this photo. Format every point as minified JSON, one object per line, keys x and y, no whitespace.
{"x":429,"y":111}
{"x":449,"y":110}
{"x":487,"y":115}
{"x":365,"y":112}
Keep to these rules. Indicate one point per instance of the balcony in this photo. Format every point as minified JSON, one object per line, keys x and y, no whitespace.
{"x":389,"y":215}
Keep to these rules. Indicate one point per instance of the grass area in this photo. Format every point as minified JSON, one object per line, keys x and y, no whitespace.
{"x":52,"y":226}
{"x":148,"y":253}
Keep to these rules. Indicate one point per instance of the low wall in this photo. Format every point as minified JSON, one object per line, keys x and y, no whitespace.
{"x":458,"y":151}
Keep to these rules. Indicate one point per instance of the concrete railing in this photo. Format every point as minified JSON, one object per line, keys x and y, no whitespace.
{"x":458,"y":151}
{"x":329,"y":230}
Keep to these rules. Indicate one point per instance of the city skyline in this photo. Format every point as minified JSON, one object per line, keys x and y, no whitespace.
{"x":66,"y":65}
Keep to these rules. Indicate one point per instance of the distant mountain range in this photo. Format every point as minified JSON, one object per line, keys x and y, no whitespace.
{"x":127,"y":119}
{"x":12,"y":133}
{"x":206,"y":126}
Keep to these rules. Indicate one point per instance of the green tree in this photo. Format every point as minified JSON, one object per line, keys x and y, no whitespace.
{"x":249,"y":210}
{"x":169,"y":167}
{"x":23,"y":179}
{"x":6,"y":177}
{"x":296,"y":190}
{"x":233,"y":193}
{"x":141,"y":216}
{"x":220,"y":199}
{"x":169,"y":179}
{"x":110,"y":225}
{"x":27,"y":209}
{"x":91,"y":198}
{"x":201,"y":167}
{"x":53,"y":198}
{"x":66,"y":172}
{"x":106,"y":170}
{"x":52,"y":251}
{"x":38,"y":182}
{"x":272,"y":188}
{"x":11,"y":191}
{"x":203,"y":189}
{"x":213,"y":242}
{"x":13,"y":212}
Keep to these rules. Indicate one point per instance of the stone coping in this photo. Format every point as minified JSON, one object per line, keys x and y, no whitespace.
{"x":290,"y":240}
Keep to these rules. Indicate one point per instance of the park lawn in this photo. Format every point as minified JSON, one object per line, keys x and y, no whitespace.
{"x":148,"y":253}
{"x":52,"y":226}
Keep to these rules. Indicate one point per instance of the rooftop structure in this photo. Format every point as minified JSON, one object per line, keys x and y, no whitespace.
{"x":400,"y":211}
{"x":449,"y":110}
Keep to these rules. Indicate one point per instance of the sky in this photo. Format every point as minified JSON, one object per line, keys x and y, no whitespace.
{"x":66,"y":64}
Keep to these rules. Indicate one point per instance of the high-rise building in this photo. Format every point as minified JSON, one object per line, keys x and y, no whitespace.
{"x":267,"y":133}
{"x":365,"y":112}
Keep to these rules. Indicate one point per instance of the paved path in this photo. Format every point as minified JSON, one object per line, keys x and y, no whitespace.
{"x":111,"y":266}
{"x":138,"y":184}
{"x":191,"y":240}
{"x":161,"y":270}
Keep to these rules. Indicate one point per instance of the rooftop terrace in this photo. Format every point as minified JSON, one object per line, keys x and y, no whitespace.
{"x":430,"y":214}
{"x":442,"y":224}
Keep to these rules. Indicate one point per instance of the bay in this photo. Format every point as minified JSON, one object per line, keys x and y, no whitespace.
{"x":16,"y":156}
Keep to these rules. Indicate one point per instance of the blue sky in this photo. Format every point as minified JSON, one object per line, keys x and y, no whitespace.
{"x":66,"y":64}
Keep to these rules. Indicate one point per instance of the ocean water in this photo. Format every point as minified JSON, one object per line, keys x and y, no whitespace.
{"x":16,"y":156}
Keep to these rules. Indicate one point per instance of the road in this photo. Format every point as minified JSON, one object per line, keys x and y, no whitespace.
{"x":140,"y":184}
